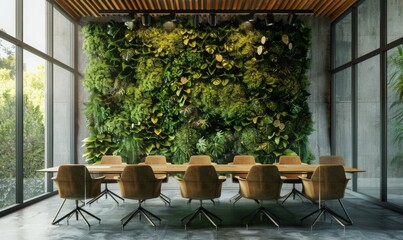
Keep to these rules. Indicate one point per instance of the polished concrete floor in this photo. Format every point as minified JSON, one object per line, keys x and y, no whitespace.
{"x":34,"y":222}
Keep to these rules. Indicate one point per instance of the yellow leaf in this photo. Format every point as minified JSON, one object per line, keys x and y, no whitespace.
{"x":260,"y":50}
{"x":154,"y":120}
{"x":285,"y":39}
{"x":254,"y":120}
{"x":186,"y":41}
{"x":263,"y":40}
{"x":218,"y":57}
{"x":184,"y":80}
{"x":157,"y":131}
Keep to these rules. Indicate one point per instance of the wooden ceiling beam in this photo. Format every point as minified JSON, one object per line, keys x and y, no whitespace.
{"x":82,"y":8}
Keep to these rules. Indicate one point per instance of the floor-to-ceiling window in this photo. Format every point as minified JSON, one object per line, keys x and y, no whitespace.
{"x":36,"y":97}
{"x":394,"y":106}
{"x":368,"y":113}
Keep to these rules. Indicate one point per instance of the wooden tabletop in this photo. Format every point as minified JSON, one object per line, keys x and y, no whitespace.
{"x":220,"y":168}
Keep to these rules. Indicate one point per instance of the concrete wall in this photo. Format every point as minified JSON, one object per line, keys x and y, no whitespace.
{"x":319,"y":101}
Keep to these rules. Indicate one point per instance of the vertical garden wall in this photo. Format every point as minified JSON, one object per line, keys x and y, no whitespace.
{"x":181,"y":90}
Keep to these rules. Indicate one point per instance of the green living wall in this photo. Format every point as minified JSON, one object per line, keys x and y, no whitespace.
{"x":180,"y":90}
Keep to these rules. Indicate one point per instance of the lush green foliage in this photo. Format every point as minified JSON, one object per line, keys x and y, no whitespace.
{"x":33,"y":129}
{"x":396,"y":107}
{"x":220,"y":91}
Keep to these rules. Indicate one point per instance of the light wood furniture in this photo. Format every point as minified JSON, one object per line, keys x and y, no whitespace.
{"x":263,"y":182}
{"x":109,"y":178}
{"x":75,"y":182}
{"x":201,"y":182}
{"x":138,"y":182}
{"x":328,"y":182}
{"x":220,"y":168}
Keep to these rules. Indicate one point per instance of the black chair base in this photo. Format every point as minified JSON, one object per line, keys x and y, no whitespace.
{"x":77,"y":210}
{"x":107,"y":192}
{"x":324,"y":209}
{"x":165,"y":199}
{"x":235,"y":198}
{"x":261,"y":211}
{"x":141,"y":212}
{"x":294,"y":192}
{"x":201,"y":211}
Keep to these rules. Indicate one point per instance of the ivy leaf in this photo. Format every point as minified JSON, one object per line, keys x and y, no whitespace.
{"x":154,"y":120}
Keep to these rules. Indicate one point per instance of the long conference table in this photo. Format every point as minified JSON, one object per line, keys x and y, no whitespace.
{"x":220,"y":168}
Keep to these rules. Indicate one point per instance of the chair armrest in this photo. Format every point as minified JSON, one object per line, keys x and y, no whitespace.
{"x":283,"y":178}
{"x":304,"y":178}
{"x":99,"y":178}
{"x":117,"y":178}
{"x":222,"y":178}
{"x":240,"y":178}
{"x":161,"y":177}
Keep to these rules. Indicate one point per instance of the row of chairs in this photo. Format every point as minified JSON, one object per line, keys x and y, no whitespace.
{"x":200,"y":182}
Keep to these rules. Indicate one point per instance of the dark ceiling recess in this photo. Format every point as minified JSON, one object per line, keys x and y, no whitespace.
{"x":101,"y":8}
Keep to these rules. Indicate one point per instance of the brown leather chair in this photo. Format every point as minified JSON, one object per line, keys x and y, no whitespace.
{"x":201,"y":182}
{"x":263,"y":182}
{"x":74,"y":182}
{"x":159,"y":160}
{"x":240,"y":160}
{"x":109,"y":178}
{"x":291,"y":178}
{"x":328,"y":182}
{"x":138,"y":182}
{"x":200,"y":159}
{"x":331,"y":159}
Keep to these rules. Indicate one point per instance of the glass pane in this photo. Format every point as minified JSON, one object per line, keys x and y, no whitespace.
{"x":7,"y":16}
{"x":395,"y":19}
{"x":62,"y":115}
{"x":342,"y":49}
{"x":369,"y":127}
{"x":34,"y":124}
{"x":395,"y":127}
{"x":368,"y":27}
{"x":343,"y":116}
{"x":62,"y":39}
{"x":35,"y":23}
{"x":7,"y":125}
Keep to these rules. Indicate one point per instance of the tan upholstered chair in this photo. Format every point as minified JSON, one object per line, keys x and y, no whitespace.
{"x":201,"y":182}
{"x":74,"y":182}
{"x":291,"y":178}
{"x":328,"y":182}
{"x":109,"y":178}
{"x":200,"y":159}
{"x":138,"y":182}
{"x":331,"y":159}
{"x":159,"y":160}
{"x":240,"y":160}
{"x":263,"y":182}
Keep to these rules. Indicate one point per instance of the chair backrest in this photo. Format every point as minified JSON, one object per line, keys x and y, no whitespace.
{"x":75,"y":182}
{"x":285,"y":159}
{"x":138,"y":182}
{"x":111,"y":159}
{"x":244,"y":159}
{"x":155,"y":159}
{"x":264,"y":182}
{"x":200,"y":159}
{"x":239,"y":160}
{"x":328,"y":182}
{"x":331,"y":159}
{"x":289,"y":159}
{"x":202,"y":182}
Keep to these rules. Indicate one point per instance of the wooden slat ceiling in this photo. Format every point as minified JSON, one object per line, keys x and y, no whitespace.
{"x":91,"y":8}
